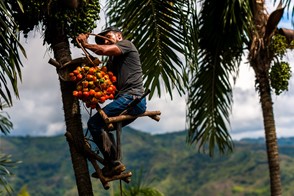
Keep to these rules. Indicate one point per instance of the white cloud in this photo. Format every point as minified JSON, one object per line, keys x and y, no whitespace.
{"x":54,"y":128}
{"x":246,"y":113}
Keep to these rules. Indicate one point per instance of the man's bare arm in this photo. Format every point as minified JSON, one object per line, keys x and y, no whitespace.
{"x":109,"y":50}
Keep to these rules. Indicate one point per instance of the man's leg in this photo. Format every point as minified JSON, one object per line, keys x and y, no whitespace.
{"x":140,"y":108}
{"x":104,"y":140}
{"x":101,"y":138}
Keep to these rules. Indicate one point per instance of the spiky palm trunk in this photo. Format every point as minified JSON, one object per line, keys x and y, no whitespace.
{"x":73,"y":120}
{"x":260,"y":58}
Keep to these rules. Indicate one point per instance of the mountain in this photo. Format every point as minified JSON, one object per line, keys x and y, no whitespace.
{"x":167,"y":162}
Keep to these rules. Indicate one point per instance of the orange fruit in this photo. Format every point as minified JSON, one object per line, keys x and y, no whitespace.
{"x":113,"y":79}
{"x":75,"y":93}
{"x":85,"y":94}
{"x":104,"y":68}
{"x":91,"y":70}
{"x":92,"y":92}
{"x":76,"y":72}
{"x":85,"y":84}
{"x":111,"y":96}
{"x":98,"y":94}
{"x":79,"y":76}
{"x":102,"y":99}
{"x":110,"y":90}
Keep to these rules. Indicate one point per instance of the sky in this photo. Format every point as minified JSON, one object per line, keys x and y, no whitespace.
{"x":39,"y":110}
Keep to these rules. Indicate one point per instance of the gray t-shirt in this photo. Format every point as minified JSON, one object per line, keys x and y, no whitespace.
{"x":128,"y":70}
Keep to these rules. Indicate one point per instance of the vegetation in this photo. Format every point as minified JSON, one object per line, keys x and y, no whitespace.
{"x":73,"y":17}
{"x":61,"y":21}
{"x":215,"y":39}
{"x":6,"y":163}
{"x":10,"y":63}
{"x":167,"y":28}
{"x":139,"y":186}
{"x":10,"y":70}
{"x":166,"y":162}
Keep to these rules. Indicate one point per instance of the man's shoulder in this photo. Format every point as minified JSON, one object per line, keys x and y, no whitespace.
{"x":125,"y":42}
{"x":126,"y":45}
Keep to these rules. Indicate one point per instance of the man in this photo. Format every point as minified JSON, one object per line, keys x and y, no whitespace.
{"x":125,"y":64}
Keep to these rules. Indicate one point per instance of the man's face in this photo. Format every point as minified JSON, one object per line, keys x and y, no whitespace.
{"x":113,"y":36}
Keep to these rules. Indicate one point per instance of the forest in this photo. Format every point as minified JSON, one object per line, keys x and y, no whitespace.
{"x":162,"y":161}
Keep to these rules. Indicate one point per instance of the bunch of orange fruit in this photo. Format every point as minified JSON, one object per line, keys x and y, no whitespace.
{"x":94,"y":84}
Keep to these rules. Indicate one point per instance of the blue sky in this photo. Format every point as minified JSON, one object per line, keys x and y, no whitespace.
{"x":39,"y":110}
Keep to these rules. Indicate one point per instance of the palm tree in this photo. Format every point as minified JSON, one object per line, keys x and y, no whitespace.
{"x":72,"y":118}
{"x":62,"y":21}
{"x":217,"y":38}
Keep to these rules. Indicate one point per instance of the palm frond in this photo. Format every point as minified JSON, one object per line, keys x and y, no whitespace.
{"x":189,"y":20}
{"x":10,"y":62}
{"x":5,"y":163}
{"x":154,"y":27}
{"x":140,"y":186}
{"x":223,"y":26}
{"x":5,"y":124}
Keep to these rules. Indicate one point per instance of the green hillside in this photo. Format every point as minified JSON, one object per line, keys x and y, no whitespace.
{"x":175,"y":168}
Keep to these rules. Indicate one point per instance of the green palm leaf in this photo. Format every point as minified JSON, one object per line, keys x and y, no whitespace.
{"x":141,"y":185}
{"x":9,"y":57}
{"x":223,"y":26}
{"x":155,"y":28}
{"x":5,"y":124}
{"x":5,"y":163}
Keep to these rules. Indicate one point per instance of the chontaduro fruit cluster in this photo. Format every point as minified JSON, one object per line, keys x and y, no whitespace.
{"x":93,"y":84}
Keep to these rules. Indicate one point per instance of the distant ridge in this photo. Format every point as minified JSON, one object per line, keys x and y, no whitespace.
{"x":175,"y":167}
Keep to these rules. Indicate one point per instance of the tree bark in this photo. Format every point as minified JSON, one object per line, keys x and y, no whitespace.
{"x":260,"y":59}
{"x":270,"y":135}
{"x":73,"y":123}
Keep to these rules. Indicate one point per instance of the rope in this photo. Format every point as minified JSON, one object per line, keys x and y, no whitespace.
{"x":84,"y":50}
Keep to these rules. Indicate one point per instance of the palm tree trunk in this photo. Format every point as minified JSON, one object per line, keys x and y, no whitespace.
{"x":73,"y":123}
{"x":260,"y":59}
{"x":270,"y":135}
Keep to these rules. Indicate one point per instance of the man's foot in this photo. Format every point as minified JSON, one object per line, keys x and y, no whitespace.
{"x":114,"y":168}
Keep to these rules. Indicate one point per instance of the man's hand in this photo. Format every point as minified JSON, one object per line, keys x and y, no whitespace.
{"x":108,"y":50}
{"x":83,"y":38}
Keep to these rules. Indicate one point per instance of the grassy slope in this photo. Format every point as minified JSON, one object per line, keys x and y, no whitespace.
{"x":175,"y":168}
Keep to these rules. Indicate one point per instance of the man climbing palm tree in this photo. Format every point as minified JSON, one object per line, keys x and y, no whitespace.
{"x":125,"y":64}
